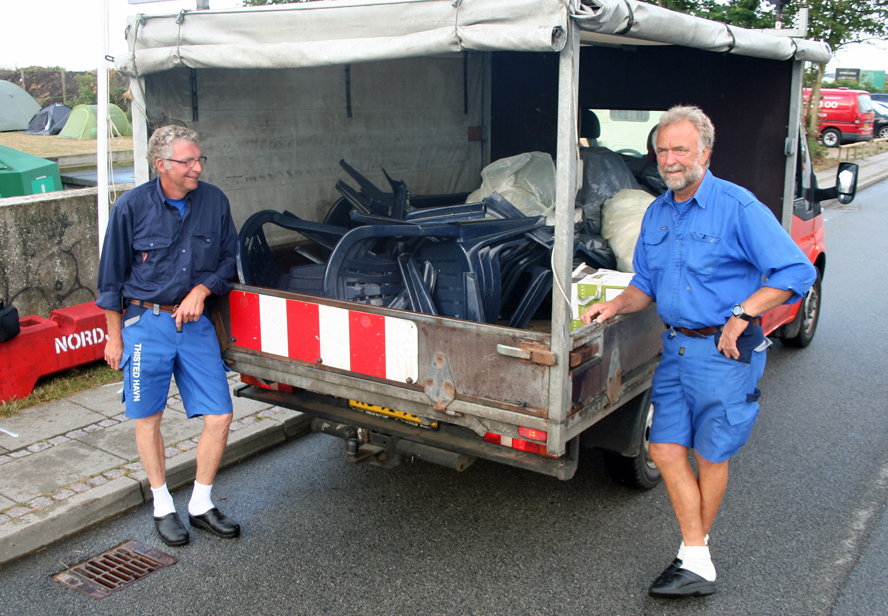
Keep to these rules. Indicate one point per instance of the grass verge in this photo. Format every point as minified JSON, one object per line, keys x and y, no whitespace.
{"x":63,"y":384}
{"x":49,"y":146}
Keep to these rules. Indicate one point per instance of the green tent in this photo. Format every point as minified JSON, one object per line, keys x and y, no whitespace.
{"x":82,"y":123}
{"x":24,"y":174}
{"x":17,"y":107}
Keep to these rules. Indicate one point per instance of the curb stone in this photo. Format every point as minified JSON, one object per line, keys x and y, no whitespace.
{"x":67,"y":511}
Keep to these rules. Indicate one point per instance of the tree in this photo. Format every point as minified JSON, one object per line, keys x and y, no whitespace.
{"x":86,"y":89}
{"x":836,"y":22}
{"x":742,"y":13}
{"x":851,"y":84}
{"x":841,"y":23}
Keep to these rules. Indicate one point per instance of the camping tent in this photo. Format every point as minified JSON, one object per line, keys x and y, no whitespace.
{"x":82,"y":122}
{"x":17,"y":107}
{"x":49,"y":121}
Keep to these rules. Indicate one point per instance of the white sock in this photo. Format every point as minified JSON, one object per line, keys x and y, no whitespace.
{"x":697,"y":560}
{"x":163,"y":501}
{"x":681,"y":547}
{"x":200,"y":501}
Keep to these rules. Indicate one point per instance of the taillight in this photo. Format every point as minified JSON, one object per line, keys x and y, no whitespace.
{"x":532,"y":434}
{"x":519,"y":444}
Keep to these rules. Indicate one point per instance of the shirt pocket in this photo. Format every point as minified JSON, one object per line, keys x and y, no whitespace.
{"x":205,"y":251}
{"x":656,"y":248}
{"x":703,"y":253}
{"x":153,"y":262}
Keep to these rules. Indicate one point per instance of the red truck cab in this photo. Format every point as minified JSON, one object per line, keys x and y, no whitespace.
{"x":795,"y":324}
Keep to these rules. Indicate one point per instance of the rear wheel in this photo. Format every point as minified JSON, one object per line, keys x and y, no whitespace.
{"x":809,"y":313}
{"x":831,"y":138}
{"x":883,"y":132}
{"x":639,"y":470}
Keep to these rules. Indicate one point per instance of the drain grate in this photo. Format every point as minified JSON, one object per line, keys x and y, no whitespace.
{"x":115,"y":569}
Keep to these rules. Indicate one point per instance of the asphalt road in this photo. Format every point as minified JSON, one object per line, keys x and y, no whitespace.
{"x":801,"y":531}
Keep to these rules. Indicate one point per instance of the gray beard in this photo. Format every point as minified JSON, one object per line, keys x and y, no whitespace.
{"x":690,"y":175}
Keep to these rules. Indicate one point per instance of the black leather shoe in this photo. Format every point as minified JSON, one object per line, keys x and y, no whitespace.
{"x":171,"y":530}
{"x":680,"y":583}
{"x":668,"y":571}
{"x":215,"y":522}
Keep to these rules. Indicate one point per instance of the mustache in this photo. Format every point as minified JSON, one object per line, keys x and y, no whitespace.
{"x":671,"y":168}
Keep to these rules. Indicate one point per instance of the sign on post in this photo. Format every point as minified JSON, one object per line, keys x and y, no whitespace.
{"x":848,"y":73}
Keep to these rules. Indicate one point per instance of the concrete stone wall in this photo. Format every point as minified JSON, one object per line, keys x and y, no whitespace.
{"x":49,"y":250}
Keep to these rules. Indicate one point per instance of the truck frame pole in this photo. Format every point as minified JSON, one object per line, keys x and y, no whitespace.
{"x":562,"y":253}
{"x":793,"y":147}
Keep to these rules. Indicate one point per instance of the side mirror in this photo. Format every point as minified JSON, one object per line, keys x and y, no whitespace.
{"x":846,"y":182}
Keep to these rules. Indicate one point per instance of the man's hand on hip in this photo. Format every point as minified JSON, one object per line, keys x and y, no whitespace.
{"x":727,"y":343}
{"x":192,"y":306}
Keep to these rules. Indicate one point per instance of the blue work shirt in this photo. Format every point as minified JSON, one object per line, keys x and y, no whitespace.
{"x":699,"y":258}
{"x":153,"y":253}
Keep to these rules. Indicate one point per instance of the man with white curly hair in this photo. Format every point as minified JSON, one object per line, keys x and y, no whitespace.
{"x":170,"y":244}
{"x":714,"y":259}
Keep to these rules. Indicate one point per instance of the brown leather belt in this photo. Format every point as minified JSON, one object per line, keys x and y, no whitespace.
{"x":709,"y":331}
{"x":150,"y":306}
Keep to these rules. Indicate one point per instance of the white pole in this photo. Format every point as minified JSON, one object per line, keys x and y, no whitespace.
{"x":102,"y":125}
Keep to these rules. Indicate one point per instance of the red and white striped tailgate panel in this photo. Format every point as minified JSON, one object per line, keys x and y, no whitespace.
{"x":370,"y":344}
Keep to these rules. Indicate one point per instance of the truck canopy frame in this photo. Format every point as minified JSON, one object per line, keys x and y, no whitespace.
{"x":334,"y":32}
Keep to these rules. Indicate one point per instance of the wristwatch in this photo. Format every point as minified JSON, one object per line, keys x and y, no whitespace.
{"x":739,"y":312}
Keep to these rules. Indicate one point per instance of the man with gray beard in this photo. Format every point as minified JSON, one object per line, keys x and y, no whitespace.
{"x":714,"y":259}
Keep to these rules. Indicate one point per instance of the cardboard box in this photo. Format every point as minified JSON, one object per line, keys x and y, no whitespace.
{"x":590,"y":286}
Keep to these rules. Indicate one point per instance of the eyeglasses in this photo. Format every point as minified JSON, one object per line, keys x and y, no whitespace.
{"x":190,"y":162}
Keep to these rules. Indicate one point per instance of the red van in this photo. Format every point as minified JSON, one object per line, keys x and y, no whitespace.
{"x":845,"y":116}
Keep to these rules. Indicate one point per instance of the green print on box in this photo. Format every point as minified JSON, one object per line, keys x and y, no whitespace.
{"x":590,"y":286}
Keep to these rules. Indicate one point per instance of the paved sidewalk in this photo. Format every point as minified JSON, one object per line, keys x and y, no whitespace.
{"x":74,"y":464}
{"x":873,"y":170}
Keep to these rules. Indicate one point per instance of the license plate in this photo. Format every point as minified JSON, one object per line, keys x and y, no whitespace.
{"x":393,"y":414}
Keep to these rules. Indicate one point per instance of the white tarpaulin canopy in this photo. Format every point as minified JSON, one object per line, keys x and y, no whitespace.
{"x":630,"y":19}
{"x":332,"y":32}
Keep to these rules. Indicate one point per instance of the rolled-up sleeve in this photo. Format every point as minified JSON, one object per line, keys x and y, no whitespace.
{"x":782,"y":262}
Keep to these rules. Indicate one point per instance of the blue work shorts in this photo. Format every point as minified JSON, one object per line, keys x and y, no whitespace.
{"x":702,"y":399}
{"x":153,"y":351}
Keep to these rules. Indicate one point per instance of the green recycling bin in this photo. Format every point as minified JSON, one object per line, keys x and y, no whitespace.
{"x":24,"y":174}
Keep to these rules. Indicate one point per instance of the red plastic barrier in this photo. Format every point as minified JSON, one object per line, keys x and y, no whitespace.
{"x":70,"y":337}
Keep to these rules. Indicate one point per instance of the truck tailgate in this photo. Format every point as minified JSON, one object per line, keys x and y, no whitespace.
{"x":425,"y":365}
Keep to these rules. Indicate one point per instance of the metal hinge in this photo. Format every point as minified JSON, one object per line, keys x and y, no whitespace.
{"x":534,"y":353}
{"x":439,"y":385}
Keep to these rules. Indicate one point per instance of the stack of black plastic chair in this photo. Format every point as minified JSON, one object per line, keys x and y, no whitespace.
{"x":255,"y":263}
{"x":443,"y":259}
{"x":257,"y":266}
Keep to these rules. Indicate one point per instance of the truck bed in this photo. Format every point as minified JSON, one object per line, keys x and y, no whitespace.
{"x":477,"y":379}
